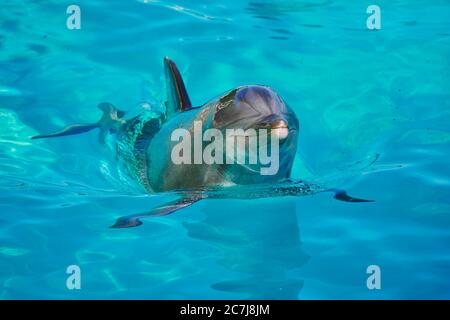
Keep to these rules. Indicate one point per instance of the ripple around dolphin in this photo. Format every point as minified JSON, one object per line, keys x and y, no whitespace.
{"x":184,"y":10}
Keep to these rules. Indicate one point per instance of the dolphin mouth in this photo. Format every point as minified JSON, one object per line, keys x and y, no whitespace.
{"x":272,"y":124}
{"x":286,"y":130}
{"x":279,"y":124}
{"x":277,"y":127}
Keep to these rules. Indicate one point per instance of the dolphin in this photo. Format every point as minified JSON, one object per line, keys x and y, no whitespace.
{"x":144,"y":145}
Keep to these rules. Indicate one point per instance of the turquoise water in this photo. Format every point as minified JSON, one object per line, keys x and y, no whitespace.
{"x":360,"y":96}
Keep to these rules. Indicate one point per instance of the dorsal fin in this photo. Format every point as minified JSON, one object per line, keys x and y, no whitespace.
{"x":177,"y":96}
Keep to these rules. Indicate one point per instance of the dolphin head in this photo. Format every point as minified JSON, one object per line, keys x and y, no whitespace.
{"x":261,"y":109}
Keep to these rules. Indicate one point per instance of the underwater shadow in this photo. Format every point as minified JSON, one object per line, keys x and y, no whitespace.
{"x":259,"y":239}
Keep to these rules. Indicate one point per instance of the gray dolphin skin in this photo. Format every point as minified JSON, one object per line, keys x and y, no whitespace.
{"x":143,"y":146}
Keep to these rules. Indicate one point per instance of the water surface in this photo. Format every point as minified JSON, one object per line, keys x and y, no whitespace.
{"x":360,"y":95}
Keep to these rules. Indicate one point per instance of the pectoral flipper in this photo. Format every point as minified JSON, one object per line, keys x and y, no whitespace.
{"x":343,"y":196}
{"x":166,"y":209}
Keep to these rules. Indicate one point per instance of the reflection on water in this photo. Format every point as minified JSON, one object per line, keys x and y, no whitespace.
{"x":275,"y":12}
{"x":279,"y":8}
{"x":262,"y":248}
